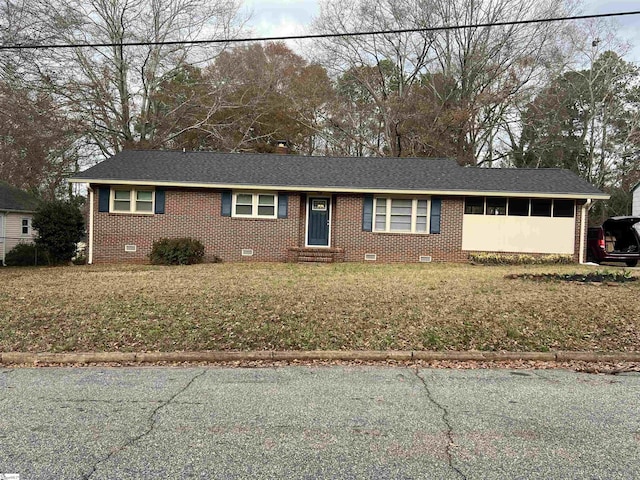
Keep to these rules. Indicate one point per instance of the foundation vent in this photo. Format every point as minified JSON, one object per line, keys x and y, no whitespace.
{"x":130,"y":248}
{"x":424,"y":258}
{"x":247,"y":252}
{"x":370,"y":257}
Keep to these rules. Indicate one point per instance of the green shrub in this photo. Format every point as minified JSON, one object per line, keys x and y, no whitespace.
{"x":60,"y":227}
{"x":176,"y":251}
{"x":501,"y":259}
{"x":26,"y":255}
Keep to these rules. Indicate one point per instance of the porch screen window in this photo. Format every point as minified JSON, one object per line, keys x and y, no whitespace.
{"x":564,"y":208}
{"x":540,"y":207}
{"x":255,"y":205}
{"x":474,"y":205}
{"x":496,"y":206}
{"x":408,"y":215}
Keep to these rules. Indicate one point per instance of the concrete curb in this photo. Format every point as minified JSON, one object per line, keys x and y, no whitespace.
{"x":8,"y":358}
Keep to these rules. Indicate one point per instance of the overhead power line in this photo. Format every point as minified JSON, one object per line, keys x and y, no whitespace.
{"x":315,"y":36}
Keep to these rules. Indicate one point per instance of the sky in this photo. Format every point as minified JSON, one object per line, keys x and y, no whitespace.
{"x":292,"y":17}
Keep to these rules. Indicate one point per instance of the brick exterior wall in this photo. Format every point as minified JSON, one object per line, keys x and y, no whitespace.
{"x":196,"y":213}
{"x":397,"y":247}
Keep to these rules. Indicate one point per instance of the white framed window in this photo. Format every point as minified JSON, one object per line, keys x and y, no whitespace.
{"x":25,"y":227}
{"x":405,"y":215}
{"x":255,"y":205}
{"x":132,"y":200}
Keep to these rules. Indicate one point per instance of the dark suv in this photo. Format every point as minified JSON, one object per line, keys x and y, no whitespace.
{"x":617,"y":240}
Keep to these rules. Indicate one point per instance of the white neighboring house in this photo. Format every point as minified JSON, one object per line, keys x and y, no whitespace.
{"x":635,"y":207}
{"x":16,"y":213}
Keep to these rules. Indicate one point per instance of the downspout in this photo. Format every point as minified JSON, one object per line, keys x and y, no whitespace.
{"x":90,"y":256}
{"x":583,"y":228}
{"x":3,"y":224}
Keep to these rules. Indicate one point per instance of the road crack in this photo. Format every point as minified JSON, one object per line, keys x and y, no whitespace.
{"x":152,"y":425}
{"x":447,"y":423}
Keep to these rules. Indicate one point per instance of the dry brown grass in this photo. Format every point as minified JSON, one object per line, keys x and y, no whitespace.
{"x":306,"y":307}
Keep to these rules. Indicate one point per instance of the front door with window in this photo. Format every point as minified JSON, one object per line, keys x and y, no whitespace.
{"x":318,"y":221}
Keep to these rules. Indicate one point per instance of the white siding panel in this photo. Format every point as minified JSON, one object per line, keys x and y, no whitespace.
{"x":13,"y":230}
{"x":635,"y":209}
{"x":489,"y":233}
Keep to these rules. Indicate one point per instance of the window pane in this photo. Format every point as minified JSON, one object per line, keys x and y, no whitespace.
{"x":519,"y":207}
{"x":401,"y":223}
{"x":474,"y":205}
{"x":563,"y":208}
{"x":401,"y":207}
{"x":122,"y":194}
{"x":144,"y":206}
{"x":496,"y":206}
{"x":421,"y":224}
{"x":422,"y":207}
{"x":540,"y":207}
{"x":266,"y":210}
{"x":243,"y":209}
{"x":122,"y":205}
{"x":244,"y":199}
{"x":381,"y":223}
{"x":266,"y":200}
{"x":144,"y":196}
{"x":381,"y":205}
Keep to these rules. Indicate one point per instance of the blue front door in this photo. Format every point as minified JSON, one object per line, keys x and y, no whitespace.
{"x":318,"y":221}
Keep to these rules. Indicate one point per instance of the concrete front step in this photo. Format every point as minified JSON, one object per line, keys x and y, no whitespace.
{"x":314,"y":259}
{"x":315,"y":255}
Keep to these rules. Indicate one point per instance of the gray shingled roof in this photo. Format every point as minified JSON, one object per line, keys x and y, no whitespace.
{"x":14,"y":199}
{"x":357,"y":173}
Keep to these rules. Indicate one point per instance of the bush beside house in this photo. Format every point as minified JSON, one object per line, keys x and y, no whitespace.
{"x":60,"y":227}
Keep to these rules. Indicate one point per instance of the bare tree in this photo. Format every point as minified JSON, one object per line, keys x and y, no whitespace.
{"x":474,"y":72}
{"x":110,"y":89}
{"x":395,"y":61}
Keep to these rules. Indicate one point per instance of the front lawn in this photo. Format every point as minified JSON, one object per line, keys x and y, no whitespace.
{"x":311,"y":307}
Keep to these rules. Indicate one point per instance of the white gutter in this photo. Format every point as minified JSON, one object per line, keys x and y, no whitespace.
{"x":330,"y":189}
{"x":90,"y":254}
{"x":583,"y":228}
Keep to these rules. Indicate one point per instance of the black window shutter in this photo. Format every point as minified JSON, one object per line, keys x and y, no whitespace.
{"x":104,"y":193}
{"x":436,"y":209}
{"x":160,"y":195}
{"x":226,"y":203}
{"x":367,"y":213}
{"x":283,"y":204}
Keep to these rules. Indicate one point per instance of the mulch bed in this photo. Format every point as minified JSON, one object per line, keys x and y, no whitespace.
{"x":593,"y":277}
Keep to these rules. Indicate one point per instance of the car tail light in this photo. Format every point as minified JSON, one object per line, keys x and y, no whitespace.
{"x":601,"y":243}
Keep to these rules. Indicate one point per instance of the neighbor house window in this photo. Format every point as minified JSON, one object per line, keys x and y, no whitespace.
{"x":132,"y":200}
{"x":409,"y":215}
{"x":26,"y":226}
{"x":255,"y":205}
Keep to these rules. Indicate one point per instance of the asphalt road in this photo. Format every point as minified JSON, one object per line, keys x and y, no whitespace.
{"x":321,"y":422}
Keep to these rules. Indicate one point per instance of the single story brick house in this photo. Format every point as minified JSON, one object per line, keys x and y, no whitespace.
{"x":16,"y":212}
{"x":274,"y":207}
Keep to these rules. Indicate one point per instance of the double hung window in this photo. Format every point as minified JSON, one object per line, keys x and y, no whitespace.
{"x":255,"y":205}
{"x":131,"y":200}
{"x":407,"y":215}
